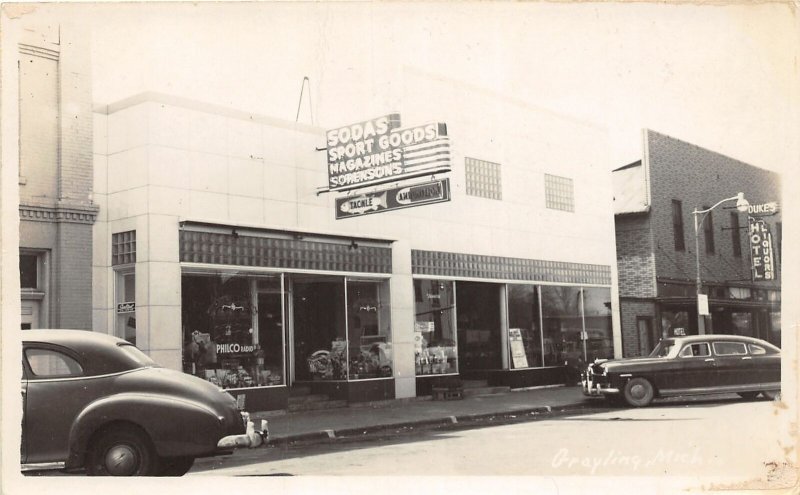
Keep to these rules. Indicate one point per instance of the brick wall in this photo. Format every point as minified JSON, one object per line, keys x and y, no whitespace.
{"x":75,"y":177}
{"x":74,"y":281}
{"x":635,"y":258}
{"x":56,"y":206}
{"x":699,"y":177}
{"x":629,"y":310}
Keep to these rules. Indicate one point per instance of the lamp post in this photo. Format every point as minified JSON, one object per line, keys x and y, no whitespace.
{"x":742,"y":205}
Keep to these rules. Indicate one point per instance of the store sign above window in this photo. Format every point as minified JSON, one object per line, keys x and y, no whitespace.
{"x":395,"y":198}
{"x":378,"y":151}
{"x":763,"y":209}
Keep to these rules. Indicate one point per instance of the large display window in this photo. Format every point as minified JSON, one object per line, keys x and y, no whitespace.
{"x":233,"y":329}
{"x":342,"y":328}
{"x":370,"y":338}
{"x":524,"y":327}
{"x":435,"y":350}
{"x":562,"y":325}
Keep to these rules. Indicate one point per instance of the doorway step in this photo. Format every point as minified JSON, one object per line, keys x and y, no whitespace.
{"x":301,"y":399}
{"x":481,"y":387}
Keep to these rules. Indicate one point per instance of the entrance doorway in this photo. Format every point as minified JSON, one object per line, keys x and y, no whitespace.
{"x":479,"y":329}
{"x":269,"y":341}
{"x":318,"y":326}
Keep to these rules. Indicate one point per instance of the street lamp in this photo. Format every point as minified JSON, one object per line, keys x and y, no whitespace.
{"x":742,"y":205}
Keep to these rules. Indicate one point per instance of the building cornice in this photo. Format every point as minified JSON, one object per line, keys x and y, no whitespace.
{"x":85,"y":214}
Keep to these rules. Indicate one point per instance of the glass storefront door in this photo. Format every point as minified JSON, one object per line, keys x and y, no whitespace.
{"x":478,"y":323}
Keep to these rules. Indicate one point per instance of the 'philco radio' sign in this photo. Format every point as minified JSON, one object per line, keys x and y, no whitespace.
{"x":761,"y":250}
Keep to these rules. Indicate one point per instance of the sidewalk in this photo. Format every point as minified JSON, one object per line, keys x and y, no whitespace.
{"x":359,"y":419}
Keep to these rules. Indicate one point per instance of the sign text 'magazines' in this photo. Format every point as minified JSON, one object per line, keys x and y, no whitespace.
{"x":378,"y":150}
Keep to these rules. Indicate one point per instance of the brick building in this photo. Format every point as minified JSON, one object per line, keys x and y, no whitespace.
{"x":654,"y":200}
{"x":55,"y":177}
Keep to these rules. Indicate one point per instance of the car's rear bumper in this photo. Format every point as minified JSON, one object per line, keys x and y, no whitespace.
{"x":251,"y":438}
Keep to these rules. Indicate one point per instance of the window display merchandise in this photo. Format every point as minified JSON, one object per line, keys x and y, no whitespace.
{"x":341,"y":328}
{"x":435,"y":350}
{"x":233,"y":330}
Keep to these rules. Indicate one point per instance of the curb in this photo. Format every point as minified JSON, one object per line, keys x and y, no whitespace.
{"x":441,"y":422}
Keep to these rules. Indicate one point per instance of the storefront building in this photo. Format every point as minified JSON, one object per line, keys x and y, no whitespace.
{"x":656,"y":255}
{"x":225,"y":259}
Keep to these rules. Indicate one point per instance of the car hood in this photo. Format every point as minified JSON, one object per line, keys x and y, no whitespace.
{"x":616,"y":364}
{"x":159,"y":380}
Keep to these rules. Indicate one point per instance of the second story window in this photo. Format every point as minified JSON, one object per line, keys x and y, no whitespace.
{"x":483,"y":178}
{"x":736,"y":236}
{"x":677,"y":225}
{"x":559,"y":193}
{"x":708,"y":231}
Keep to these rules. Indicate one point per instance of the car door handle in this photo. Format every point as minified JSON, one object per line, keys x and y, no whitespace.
{"x":709,"y":360}
{"x":746,"y":357}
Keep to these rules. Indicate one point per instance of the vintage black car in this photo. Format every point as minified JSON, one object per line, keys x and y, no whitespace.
{"x":97,"y":402}
{"x":694,"y":365}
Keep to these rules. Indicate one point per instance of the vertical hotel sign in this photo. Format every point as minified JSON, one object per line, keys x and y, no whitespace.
{"x":761,"y":250}
{"x":378,"y":151}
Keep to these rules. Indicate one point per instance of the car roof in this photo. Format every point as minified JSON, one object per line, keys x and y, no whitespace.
{"x":78,"y":339}
{"x":718,"y":337}
{"x":99,"y":352}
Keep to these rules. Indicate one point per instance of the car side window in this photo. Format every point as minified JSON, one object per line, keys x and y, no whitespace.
{"x":47,"y":363}
{"x":729,"y":348}
{"x":693,"y":350}
{"x":757,"y":350}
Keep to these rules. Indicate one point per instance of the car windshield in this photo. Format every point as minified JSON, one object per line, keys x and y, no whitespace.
{"x":663,"y":349}
{"x":139,"y":358}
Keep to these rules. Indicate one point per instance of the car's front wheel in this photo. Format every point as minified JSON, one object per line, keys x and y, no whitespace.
{"x":175,"y":466}
{"x":748,"y":395}
{"x":122,"y":451}
{"x":771,"y":394}
{"x":638,"y":392}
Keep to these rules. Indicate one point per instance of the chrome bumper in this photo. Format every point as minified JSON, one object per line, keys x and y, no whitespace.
{"x":251,"y":438}
{"x":591,"y":388}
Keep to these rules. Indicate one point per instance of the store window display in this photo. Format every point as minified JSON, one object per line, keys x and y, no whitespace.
{"x":435,"y":350}
{"x":342,"y":328}
{"x":233,"y":328}
{"x":525,"y":336}
{"x":562,"y":325}
{"x":370,"y":340}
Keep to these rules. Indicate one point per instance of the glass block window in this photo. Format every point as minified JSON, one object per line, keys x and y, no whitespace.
{"x":559,"y":193}
{"x":123,"y":248}
{"x":483,"y":178}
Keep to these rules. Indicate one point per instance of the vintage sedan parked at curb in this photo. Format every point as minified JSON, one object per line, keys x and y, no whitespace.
{"x":97,"y":402}
{"x":694,"y":365}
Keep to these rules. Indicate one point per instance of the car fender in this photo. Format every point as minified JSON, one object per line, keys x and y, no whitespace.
{"x":176,"y":426}
{"x":619,"y":380}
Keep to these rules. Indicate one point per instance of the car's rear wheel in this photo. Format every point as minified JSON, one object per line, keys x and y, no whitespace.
{"x":638,"y":392}
{"x":748,"y":395}
{"x":175,"y":466}
{"x":771,"y":394}
{"x":122,"y":451}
